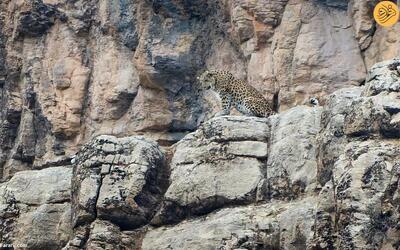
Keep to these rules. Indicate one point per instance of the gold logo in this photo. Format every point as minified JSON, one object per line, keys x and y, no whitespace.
{"x":386,"y":13}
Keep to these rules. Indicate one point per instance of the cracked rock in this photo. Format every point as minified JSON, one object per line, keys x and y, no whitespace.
{"x":35,"y":209}
{"x":37,"y":18}
{"x":362,"y":199}
{"x":383,"y":76}
{"x":117,"y":179}
{"x":221,"y":163}
{"x":292,"y":162}
{"x":269,"y":226}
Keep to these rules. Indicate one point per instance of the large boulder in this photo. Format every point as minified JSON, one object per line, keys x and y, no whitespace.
{"x":292,"y":160}
{"x":222,"y":163}
{"x":361,"y":197}
{"x":269,"y":226}
{"x":383,"y":76}
{"x":35,"y":209}
{"x":117,"y":179}
{"x":341,"y":159}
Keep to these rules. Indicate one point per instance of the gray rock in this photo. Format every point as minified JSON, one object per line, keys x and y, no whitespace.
{"x":331,"y":140}
{"x":80,"y":15}
{"x":292,"y":161}
{"x":248,"y":148}
{"x":372,"y":116}
{"x":383,"y":76}
{"x":24,"y":150}
{"x":35,"y":209}
{"x":105,"y":235}
{"x":221,"y":163}
{"x":38,"y":19}
{"x":361,"y":197}
{"x":35,"y":187}
{"x":236,"y":128}
{"x":365,"y":118}
{"x":46,"y":227}
{"x":269,"y":226}
{"x":117,"y":179}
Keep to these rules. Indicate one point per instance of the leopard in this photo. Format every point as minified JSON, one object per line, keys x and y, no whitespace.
{"x":235,"y":92}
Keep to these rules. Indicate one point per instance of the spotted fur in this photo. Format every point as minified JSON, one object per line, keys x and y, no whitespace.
{"x":232,"y":91}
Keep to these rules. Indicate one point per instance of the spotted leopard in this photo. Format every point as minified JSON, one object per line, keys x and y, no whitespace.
{"x":232,"y":91}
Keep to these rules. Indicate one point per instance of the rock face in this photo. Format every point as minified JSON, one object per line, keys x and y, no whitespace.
{"x":106,"y":139}
{"x":323,"y":177}
{"x":208,"y":167}
{"x":306,"y":178}
{"x":251,"y":227}
{"x":116,"y":180}
{"x":35,"y":209}
{"x":71,"y":70}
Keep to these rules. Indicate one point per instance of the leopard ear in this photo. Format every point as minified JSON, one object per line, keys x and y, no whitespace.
{"x":210,"y":72}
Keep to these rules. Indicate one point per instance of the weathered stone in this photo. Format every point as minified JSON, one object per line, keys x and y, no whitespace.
{"x":319,"y":43}
{"x":35,"y":209}
{"x":292,"y":160}
{"x":105,"y":235}
{"x":46,"y":227}
{"x":236,"y":128}
{"x":10,"y":120}
{"x":256,"y":19}
{"x":383,"y":76}
{"x":248,"y":148}
{"x":128,"y":192}
{"x":268,"y":226}
{"x":37,"y":18}
{"x":51,"y":185}
{"x":80,"y":15}
{"x":385,"y":43}
{"x":332,"y":141}
{"x":364,"y":118}
{"x":363,"y":24}
{"x":372,"y":113}
{"x":74,"y":69}
{"x":364,"y":181}
{"x":208,"y":167}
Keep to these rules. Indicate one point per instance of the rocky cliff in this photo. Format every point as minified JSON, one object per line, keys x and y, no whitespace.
{"x":106,"y":139}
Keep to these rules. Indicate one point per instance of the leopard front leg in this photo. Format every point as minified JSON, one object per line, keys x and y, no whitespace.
{"x":226,"y":101}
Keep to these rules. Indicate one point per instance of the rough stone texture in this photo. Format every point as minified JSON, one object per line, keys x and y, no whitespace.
{"x":339,"y":163}
{"x":105,"y":235}
{"x":292,"y":161}
{"x":383,"y":76}
{"x":35,"y":209}
{"x":208,"y":167}
{"x":120,"y":180}
{"x":306,"y":178}
{"x":364,"y":188}
{"x":331,"y":139}
{"x":315,"y":44}
{"x":71,"y":70}
{"x":270,"y":226}
{"x":359,"y":165}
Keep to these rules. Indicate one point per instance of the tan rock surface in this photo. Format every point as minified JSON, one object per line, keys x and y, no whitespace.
{"x":35,"y":210}
{"x":73,"y":70}
{"x":88,"y":68}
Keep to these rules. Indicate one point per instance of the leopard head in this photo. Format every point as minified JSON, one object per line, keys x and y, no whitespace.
{"x":207,"y":79}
